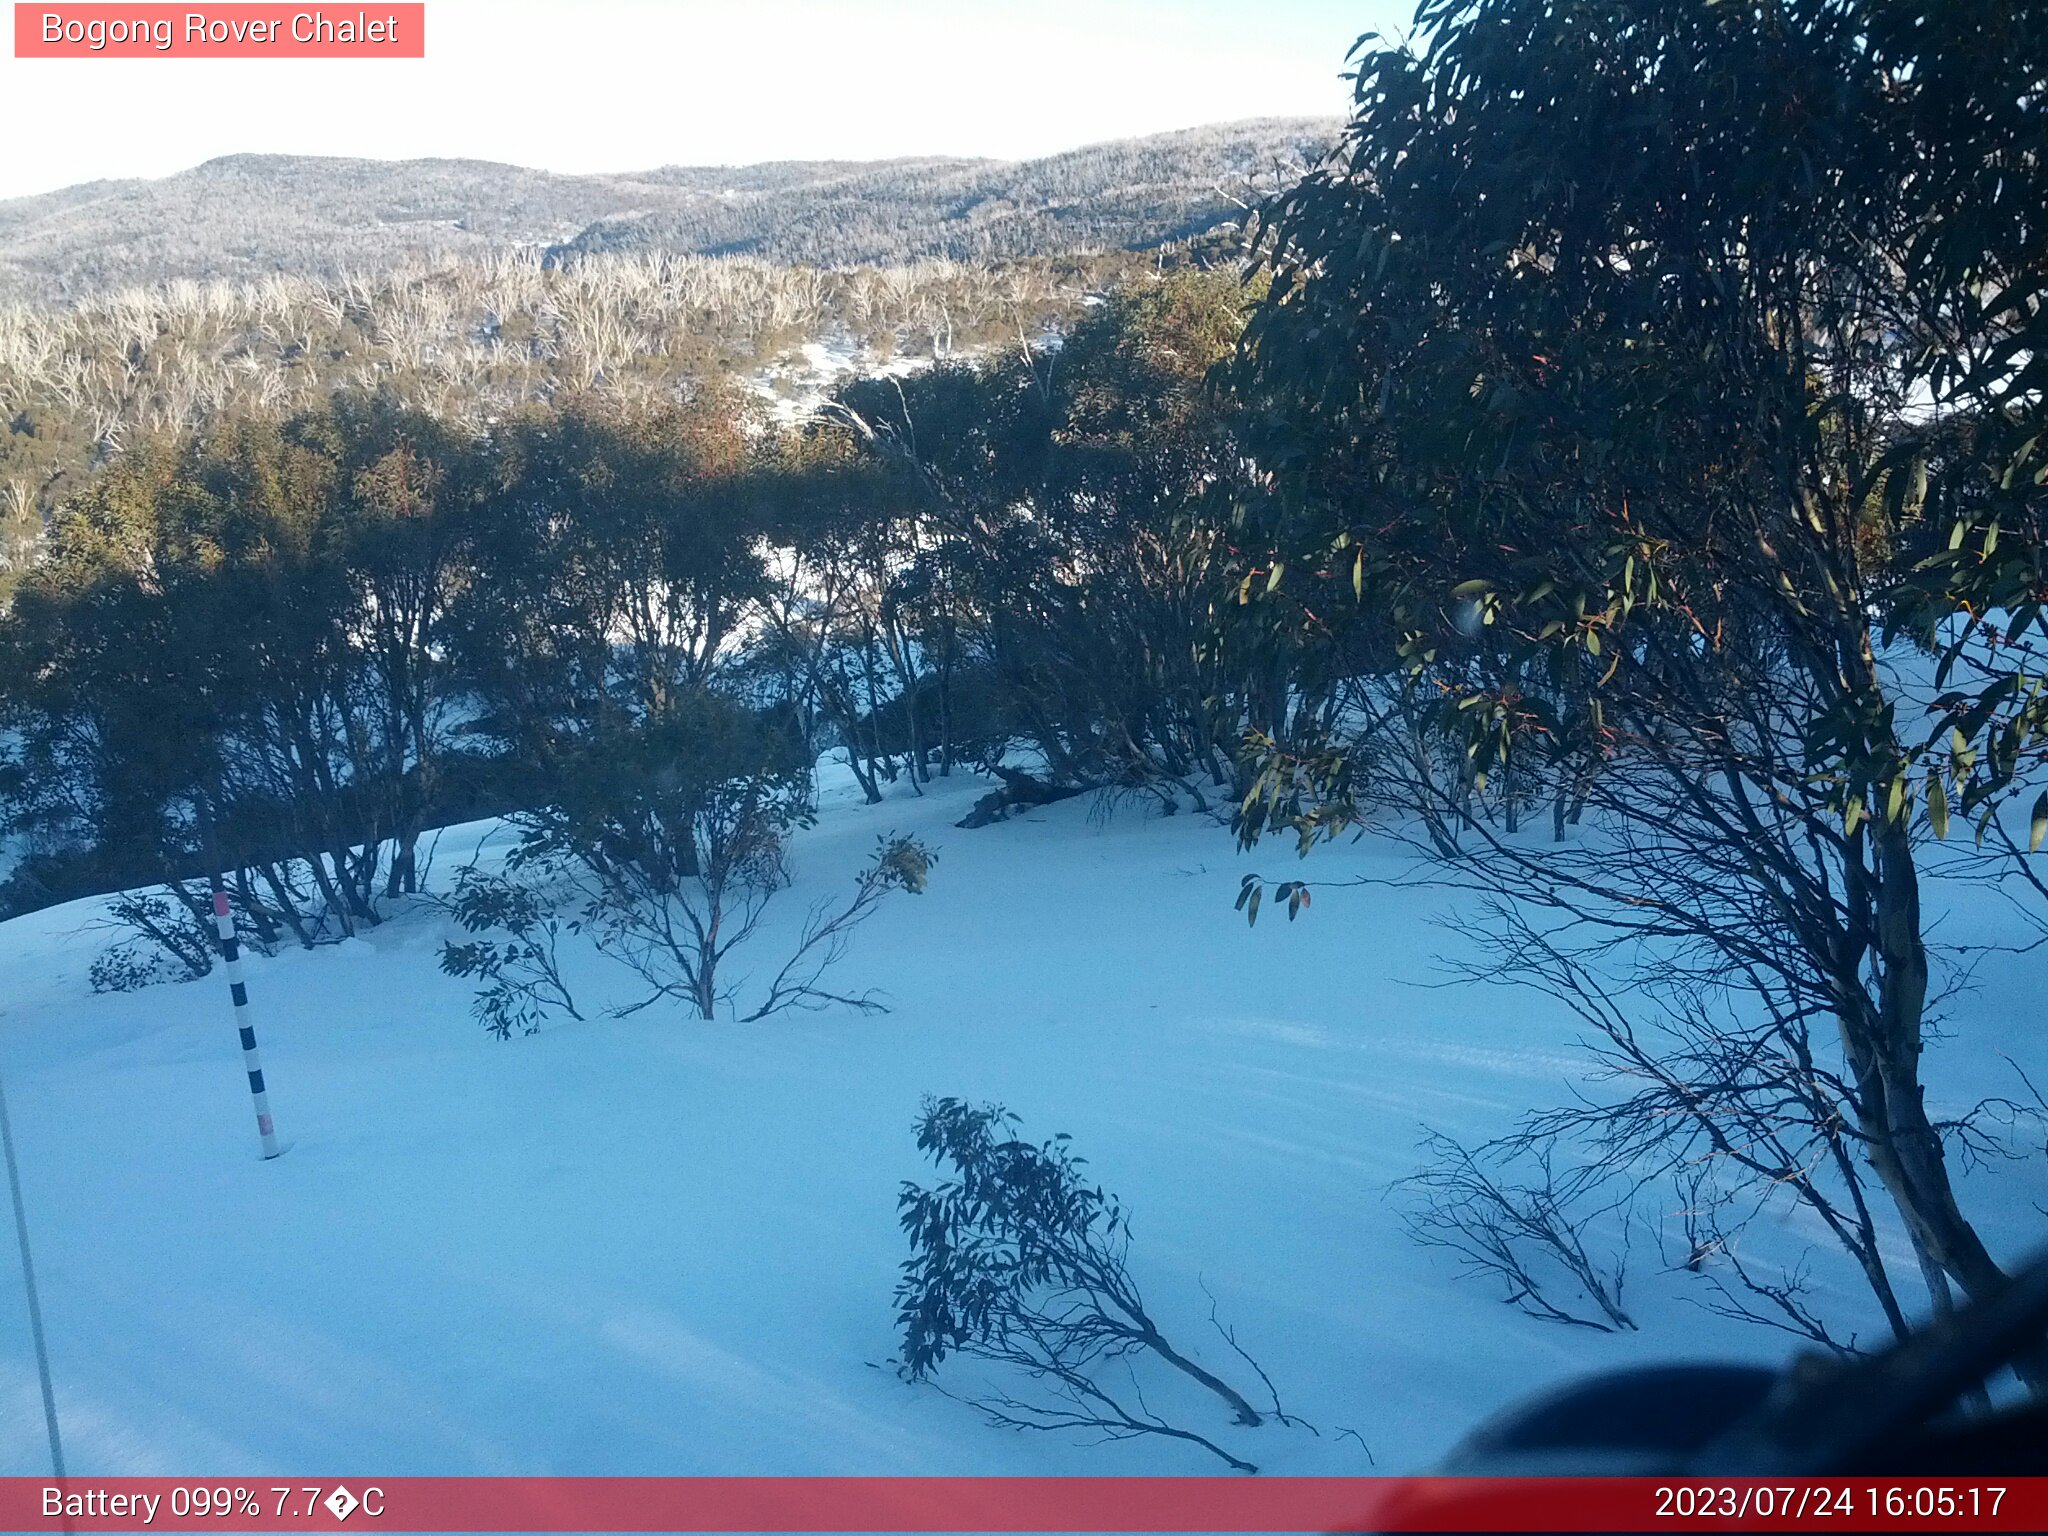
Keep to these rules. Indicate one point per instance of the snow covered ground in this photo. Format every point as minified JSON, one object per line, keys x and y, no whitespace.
{"x":800,"y":381}
{"x":656,"y":1245}
{"x":797,"y":383}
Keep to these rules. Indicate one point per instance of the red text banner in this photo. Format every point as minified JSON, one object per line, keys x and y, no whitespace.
{"x":231,"y":31}
{"x":1063,"y":1504}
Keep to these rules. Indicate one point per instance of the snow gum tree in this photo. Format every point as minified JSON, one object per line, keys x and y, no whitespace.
{"x":237,"y":629}
{"x":1639,"y":379}
{"x":1043,"y":540}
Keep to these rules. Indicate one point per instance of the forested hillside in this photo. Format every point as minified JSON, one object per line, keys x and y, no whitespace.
{"x":1130,"y":194}
{"x":248,"y":216}
{"x":467,"y":339}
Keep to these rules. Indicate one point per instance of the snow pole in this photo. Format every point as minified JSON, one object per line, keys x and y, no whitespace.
{"x":231,"y":953}
{"x":35,"y":1305}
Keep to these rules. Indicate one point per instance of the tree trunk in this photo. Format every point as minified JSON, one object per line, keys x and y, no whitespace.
{"x":1905,"y":1147}
{"x":1246,"y":1413}
{"x":404,"y":874}
{"x":287,"y":908}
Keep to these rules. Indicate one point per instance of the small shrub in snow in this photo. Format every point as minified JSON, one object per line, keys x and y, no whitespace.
{"x":1019,"y":1259}
{"x":520,"y":967}
{"x":164,"y":943}
{"x":673,"y":932}
{"x":132,"y":966}
{"x":1525,"y":1226}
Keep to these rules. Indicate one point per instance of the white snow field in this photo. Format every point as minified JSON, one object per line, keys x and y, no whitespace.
{"x":660,"y":1246}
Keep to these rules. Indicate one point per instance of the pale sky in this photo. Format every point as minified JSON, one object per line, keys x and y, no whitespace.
{"x":617,"y":85}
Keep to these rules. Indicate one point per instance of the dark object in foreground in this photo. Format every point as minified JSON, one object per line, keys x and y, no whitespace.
{"x":1898,"y":1413}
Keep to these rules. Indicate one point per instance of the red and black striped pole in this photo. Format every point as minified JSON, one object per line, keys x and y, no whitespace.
{"x":231,"y":952}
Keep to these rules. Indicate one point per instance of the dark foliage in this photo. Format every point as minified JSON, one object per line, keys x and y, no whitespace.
{"x":1634,"y":374}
